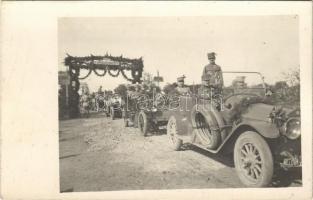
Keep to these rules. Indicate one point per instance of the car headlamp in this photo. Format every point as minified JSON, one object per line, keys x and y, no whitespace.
{"x":292,"y":128}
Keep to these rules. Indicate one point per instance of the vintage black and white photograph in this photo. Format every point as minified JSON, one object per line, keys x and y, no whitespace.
{"x":150,"y":103}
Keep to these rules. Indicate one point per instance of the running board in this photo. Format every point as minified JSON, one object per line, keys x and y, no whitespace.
{"x":206,"y":149}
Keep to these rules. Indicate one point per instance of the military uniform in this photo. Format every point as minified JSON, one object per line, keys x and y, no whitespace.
{"x":182,"y":89}
{"x":212,"y":74}
{"x":212,"y":82}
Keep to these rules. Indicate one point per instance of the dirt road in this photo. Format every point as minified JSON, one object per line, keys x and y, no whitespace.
{"x":98,"y":154}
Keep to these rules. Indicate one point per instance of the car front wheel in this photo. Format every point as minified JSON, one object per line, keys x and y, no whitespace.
{"x":253,"y":160}
{"x":143,"y":123}
{"x":172,"y":134}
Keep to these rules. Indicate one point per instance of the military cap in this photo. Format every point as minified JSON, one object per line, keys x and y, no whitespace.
{"x":211,"y":55}
{"x":181,"y":79}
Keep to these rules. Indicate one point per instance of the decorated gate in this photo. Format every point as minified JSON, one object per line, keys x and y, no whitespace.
{"x":100,"y":65}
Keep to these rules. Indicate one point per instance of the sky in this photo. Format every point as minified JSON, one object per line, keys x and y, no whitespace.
{"x":178,"y":46}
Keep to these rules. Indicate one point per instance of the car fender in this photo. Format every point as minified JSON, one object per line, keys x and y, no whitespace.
{"x":264,"y":128}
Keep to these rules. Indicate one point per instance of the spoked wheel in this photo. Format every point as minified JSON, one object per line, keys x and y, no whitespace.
{"x":172,"y":134}
{"x":143,"y":123}
{"x":253,"y":160}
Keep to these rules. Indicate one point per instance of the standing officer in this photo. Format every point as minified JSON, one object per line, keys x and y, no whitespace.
{"x":212,"y":82}
{"x":212,"y":76}
{"x":181,"y":88}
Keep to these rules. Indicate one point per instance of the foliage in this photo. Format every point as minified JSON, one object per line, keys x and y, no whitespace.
{"x":170,"y":88}
{"x":287,"y":92}
{"x":292,"y":77}
{"x":121,"y":90}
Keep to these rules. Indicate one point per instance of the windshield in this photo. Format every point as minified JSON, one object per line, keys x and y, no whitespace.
{"x":243,"y":83}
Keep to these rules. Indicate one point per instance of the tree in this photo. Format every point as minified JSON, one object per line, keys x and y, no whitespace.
{"x":169,"y":88}
{"x":121,"y":90}
{"x":292,"y":77}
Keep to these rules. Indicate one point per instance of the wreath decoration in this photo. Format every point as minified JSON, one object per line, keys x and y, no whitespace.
{"x":98,"y":74}
{"x":82,"y":78}
{"x":112,"y":74}
{"x":125,"y":76}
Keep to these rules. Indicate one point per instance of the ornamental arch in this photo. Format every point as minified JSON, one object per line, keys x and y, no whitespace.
{"x":101,"y":66}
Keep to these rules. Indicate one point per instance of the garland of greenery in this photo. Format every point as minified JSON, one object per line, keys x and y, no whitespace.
{"x":114,"y":75}
{"x":87,"y":62}
{"x":104,"y":72}
{"x":125,"y":76}
{"x":82,"y":78}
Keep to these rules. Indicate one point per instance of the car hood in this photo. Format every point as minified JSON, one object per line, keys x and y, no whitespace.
{"x":258,"y":111}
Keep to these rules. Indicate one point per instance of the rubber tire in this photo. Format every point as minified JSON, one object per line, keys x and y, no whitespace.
{"x":135,"y":120}
{"x":210,"y":120}
{"x":144,"y":129}
{"x":112,"y":113}
{"x":266,"y":157}
{"x":178,"y":142}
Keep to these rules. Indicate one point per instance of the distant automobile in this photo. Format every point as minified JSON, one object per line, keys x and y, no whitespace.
{"x":114,"y":106}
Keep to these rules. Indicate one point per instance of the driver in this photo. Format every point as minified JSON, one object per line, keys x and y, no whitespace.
{"x":181,"y":87}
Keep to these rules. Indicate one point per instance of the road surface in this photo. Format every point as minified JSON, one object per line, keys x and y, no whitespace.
{"x":98,"y":154}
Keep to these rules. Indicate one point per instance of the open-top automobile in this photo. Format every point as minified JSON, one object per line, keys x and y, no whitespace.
{"x":243,"y":121}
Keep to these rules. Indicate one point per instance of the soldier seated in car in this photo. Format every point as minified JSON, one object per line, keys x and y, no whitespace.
{"x":181,"y":88}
